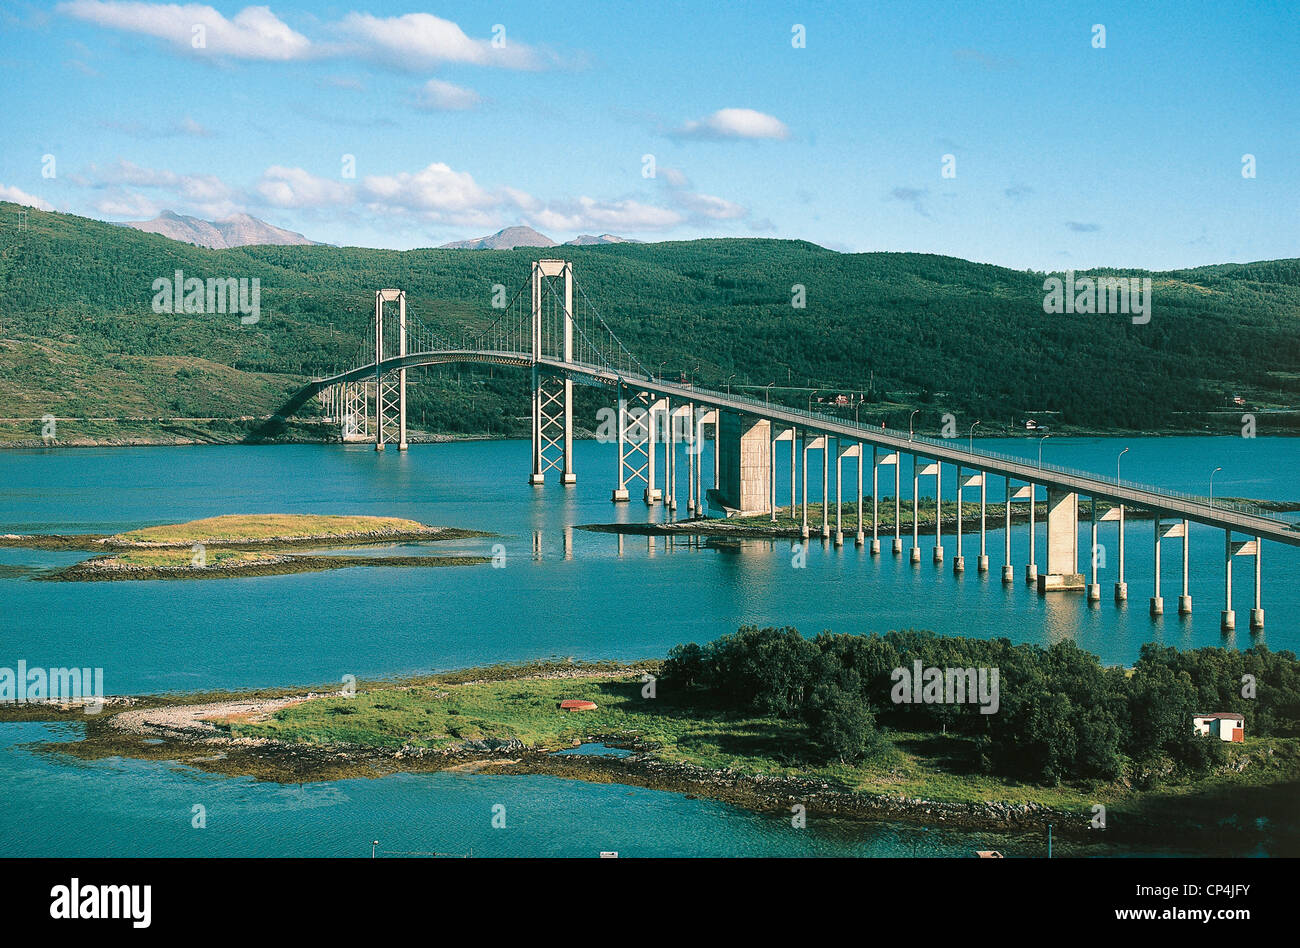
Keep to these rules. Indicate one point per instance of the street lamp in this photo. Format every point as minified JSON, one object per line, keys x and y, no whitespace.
{"x":1212,"y":473}
{"x":767,"y":389}
{"x":372,"y":848}
{"x":1117,"y":460}
{"x":661,"y":370}
{"x":729,"y":378}
{"x":810,"y":398}
{"x":972,"y":438}
{"x":1040,"y":450}
{"x":909,"y":423}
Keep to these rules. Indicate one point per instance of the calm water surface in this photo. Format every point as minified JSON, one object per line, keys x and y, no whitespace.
{"x":563,"y":592}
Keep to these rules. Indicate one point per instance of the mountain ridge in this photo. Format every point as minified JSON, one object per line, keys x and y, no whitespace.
{"x":519,"y":235}
{"x":237,"y":230}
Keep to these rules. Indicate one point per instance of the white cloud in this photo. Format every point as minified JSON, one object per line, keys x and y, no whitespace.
{"x":18,"y":196}
{"x":118,"y":202}
{"x":736,"y":123}
{"x":435,"y":191}
{"x":586,"y":213}
{"x":438,"y":96}
{"x":203,"y":194}
{"x":422,"y":39}
{"x":294,"y":187}
{"x":699,"y":206}
{"x":206,"y":188}
{"x":253,"y":33}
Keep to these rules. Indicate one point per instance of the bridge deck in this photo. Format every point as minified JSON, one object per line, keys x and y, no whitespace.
{"x":1167,"y":503}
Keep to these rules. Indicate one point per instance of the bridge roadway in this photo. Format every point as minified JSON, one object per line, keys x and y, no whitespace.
{"x":1167,"y":503}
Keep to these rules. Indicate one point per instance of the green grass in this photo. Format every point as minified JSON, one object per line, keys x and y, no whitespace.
{"x":242,"y":528}
{"x":433,"y":713}
{"x":78,"y":337}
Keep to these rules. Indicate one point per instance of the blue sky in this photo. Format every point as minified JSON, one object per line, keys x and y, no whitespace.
{"x":467,"y":117}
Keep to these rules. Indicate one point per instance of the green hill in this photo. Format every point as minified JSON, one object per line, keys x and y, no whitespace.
{"x":78,"y":337}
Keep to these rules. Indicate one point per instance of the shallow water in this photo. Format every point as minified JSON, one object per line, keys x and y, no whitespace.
{"x":562,"y":592}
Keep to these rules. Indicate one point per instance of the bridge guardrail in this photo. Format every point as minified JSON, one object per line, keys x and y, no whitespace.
{"x":1252,"y":510}
{"x":615,"y":374}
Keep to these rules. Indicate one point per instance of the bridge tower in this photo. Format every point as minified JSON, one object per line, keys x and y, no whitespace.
{"x":552,"y":311}
{"x":390,"y":387}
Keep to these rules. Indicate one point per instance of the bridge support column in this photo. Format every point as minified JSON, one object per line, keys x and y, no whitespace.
{"x":803,"y":447}
{"x":898,"y":504}
{"x":620,"y":491}
{"x":839,"y":514}
{"x":916,"y":492}
{"x":1227,"y":618}
{"x":982,"y":564}
{"x":1185,"y":600}
{"x":1257,"y":613}
{"x":552,"y":400}
{"x":959,"y":561}
{"x":794,"y":436}
{"x":390,"y":387}
{"x":1062,"y":543}
{"x":1031,"y":568}
{"x":692,"y":457}
{"x":652,"y":493}
{"x":1008,"y":571}
{"x":938,"y":511}
{"x":1157,"y":602}
{"x":771,"y":470}
{"x":745,"y":447}
{"x":826,"y":495}
{"x":1094,"y":587}
{"x":861,"y":536}
{"x":875,"y":503}
{"x":1121,"y":587}
{"x":670,"y":459}
{"x":401,"y":374}
{"x":356,"y":411}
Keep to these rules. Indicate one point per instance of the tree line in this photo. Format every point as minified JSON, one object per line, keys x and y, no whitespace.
{"x":1060,"y":715}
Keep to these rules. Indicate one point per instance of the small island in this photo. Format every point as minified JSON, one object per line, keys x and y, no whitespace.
{"x":789,"y":520}
{"x":243,"y":545}
{"x":766,"y":719}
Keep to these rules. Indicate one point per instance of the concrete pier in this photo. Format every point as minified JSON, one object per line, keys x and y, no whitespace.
{"x":1157,"y":602}
{"x":1031,"y":568}
{"x":1227,"y":618}
{"x":1185,"y":600}
{"x":1121,"y":587}
{"x":744,"y":447}
{"x":1008,"y":571}
{"x":1257,"y":613}
{"x":1062,"y":543}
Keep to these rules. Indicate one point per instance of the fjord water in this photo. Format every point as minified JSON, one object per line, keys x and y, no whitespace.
{"x":562,"y":592}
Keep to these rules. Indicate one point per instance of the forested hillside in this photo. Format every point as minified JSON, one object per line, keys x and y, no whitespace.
{"x":78,"y":336}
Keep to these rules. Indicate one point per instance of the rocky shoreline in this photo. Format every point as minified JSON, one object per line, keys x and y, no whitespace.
{"x":98,"y":541}
{"x":206,"y":726}
{"x":109,"y":569}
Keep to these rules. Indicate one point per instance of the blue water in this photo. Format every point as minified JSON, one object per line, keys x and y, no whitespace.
{"x":563,"y":592}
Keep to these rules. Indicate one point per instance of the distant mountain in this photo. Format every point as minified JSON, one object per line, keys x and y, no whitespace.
{"x":507,"y":239}
{"x":586,"y":240}
{"x":931,"y":324}
{"x":513,"y":237}
{"x":240,"y":230}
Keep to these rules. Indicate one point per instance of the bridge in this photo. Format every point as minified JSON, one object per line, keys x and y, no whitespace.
{"x":551,"y":329}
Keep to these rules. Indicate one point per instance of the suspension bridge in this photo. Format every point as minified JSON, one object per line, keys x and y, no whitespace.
{"x":551,"y":328}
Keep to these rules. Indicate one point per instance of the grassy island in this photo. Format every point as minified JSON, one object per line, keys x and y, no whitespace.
{"x":766,"y":718}
{"x":244,"y":545}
